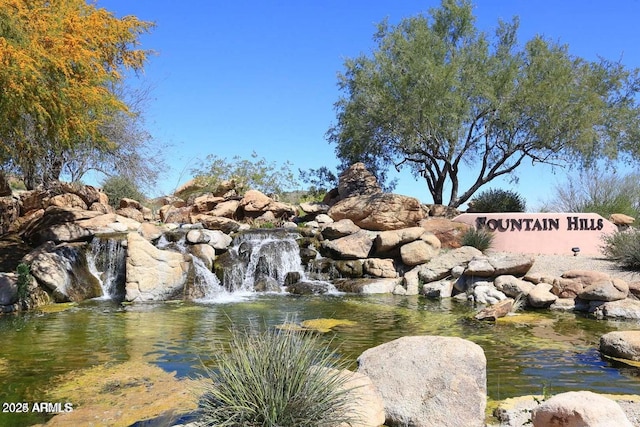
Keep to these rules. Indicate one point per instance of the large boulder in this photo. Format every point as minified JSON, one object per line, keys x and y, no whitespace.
{"x":391,"y":239}
{"x":383,"y":211}
{"x":68,"y":200}
{"x":621,"y":309}
{"x":9,"y":212}
{"x":577,"y":409}
{"x":354,"y":246}
{"x":153,"y":274}
{"x":540,"y":296}
{"x":512,"y":286}
{"x":438,"y":267}
{"x":364,"y":399}
{"x":58,"y":224}
{"x":498,"y":264}
{"x":424,"y":380}
{"x":357,"y":181}
{"x":447,"y":231}
{"x":206,"y":203}
{"x":225,"y":225}
{"x":8,"y":288}
{"x":605,"y":290}
{"x":621,"y":344}
{"x":338,"y":229}
{"x":226,"y":209}
{"x":418,"y":252}
{"x":366,"y":286}
{"x":64,"y":272}
{"x":379,"y":267}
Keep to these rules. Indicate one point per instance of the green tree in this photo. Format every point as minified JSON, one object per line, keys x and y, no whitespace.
{"x":119,"y":187}
{"x":249,"y":174}
{"x":59,"y":61}
{"x":437,"y":95}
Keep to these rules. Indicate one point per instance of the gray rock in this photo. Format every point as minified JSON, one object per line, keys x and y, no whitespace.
{"x":439,"y":267}
{"x":342,"y":228}
{"x":487,"y":294}
{"x":197,"y":236}
{"x":377,"y":267}
{"x":622,"y":344}
{"x":218,"y":240}
{"x":621,"y":309}
{"x":438,"y":289}
{"x":605,"y":290}
{"x":579,"y":408}
{"x":418,"y":385}
{"x":512,"y":286}
{"x":314,"y":208}
{"x":480,"y":266}
{"x":8,"y":288}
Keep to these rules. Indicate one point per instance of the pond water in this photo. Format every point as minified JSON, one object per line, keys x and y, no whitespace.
{"x":531,"y":353}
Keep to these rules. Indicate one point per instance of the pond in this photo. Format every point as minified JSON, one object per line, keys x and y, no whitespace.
{"x":527,"y":354}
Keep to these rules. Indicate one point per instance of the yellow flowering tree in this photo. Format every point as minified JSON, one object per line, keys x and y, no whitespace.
{"x":59,"y":60}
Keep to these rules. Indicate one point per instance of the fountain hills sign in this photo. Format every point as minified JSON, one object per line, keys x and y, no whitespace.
{"x":543,"y":233}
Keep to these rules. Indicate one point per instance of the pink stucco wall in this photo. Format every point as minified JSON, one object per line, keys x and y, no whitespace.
{"x":543,"y":233}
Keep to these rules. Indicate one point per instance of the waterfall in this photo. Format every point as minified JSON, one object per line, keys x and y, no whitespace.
{"x":107,"y":261}
{"x":261,"y":259}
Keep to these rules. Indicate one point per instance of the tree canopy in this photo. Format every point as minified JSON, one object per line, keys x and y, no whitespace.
{"x":59,"y":61}
{"x":437,"y":95}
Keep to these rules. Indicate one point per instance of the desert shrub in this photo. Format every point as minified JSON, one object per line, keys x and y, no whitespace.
{"x":118,"y":187}
{"x":598,"y":191}
{"x":275,"y":379}
{"x":623,"y":247}
{"x":480,"y":239}
{"x":496,"y":200}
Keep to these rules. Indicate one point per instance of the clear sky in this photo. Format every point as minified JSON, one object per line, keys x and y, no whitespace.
{"x":232,"y":77}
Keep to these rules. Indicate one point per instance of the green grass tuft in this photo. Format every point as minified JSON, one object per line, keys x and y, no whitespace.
{"x":275,"y":378}
{"x":623,"y":247}
{"x":480,"y":239}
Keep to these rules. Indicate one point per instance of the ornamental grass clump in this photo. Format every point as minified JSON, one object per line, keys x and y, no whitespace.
{"x":276,"y":378}
{"x":480,"y":238}
{"x":623,"y":247}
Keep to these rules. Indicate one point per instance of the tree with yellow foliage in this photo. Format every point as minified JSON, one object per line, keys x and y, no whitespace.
{"x":59,"y":60}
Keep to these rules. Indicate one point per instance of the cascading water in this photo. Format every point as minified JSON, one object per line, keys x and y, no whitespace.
{"x":107,"y":261}
{"x":261,"y":259}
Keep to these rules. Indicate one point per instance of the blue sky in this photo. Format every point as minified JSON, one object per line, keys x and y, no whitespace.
{"x":234,"y":77}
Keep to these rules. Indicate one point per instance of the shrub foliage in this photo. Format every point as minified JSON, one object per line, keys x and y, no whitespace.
{"x":496,"y":200}
{"x":623,"y":247}
{"x":480,"y":239}
{"x":275,"y":379}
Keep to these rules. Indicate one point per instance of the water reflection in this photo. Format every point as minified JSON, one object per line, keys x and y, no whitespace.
{"x":552,"y":350}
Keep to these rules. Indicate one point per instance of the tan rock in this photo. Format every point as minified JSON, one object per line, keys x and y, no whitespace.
{"x":383,"y":211}
{"x":226,"y":209}
{"x":391,"y":239}
{"x":149,"y":231}
{"x":206,"y":203}
{"x":102,"y":208}
{"x":567,"y":288}
{"x":255,"y":201}
{"x":226,"y":225}
{"x":621,"y":219}
{"x":153,"y":274}
{"x":540,"y":296}
{"x":621,"y":344}
{"x":378,"y":267}
{"x":579,"y":408}
{"x":605,"y":290}
{"x":132,"y":213}
{"x":68,"y":200}
{"x":417,"y":252}
{"x":448,"y":232}
{"x":496,"y":311}
{"x":341,"y":228}
{"x":365,"y":400}
{"x":354,"y":246}
{"x":169,"y":214}
{"x":129,"y":203}
{"x":585,"y":277}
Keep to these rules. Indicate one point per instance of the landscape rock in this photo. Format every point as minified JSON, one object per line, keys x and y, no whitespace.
{"x":132,"y":213}
{"x":153,"y":274}
{"x":354,"y":246}
{"x":391,"y":239}
{"x":417,"y":252}
{"x":366,"y":286}
{"x":322,"y":219}
{"x":305,"y":287}
{"x":206,"y":203}
{"x":621,"y":219}
{"x":540,"y":296}
{"x":621,"y":309}
{"x":338,"y":229}
{"x":605,"y":290}
{"x":418,"y":385}
{"x":585,"y":277}
{"x":487,"y":294}
{"x":621,"y":344}
{"x":170,"y":214}
{"x":218,"y":240}
{"x":349,"y":268}
{"x":511,"y":286}
{"x":205,"y":253}
{"x":63,"y":270}
{"x":579,"y":408}
{"x":438,"y":289}
{"x":496,"y":311}
{"x":356,"y":180}
{"x":68,"y":200}
{"x":197,"y":236}
{"x":314,"y":208}
{"x":226,"y":225}
{"x":378,"y":267}
{"x":226,"y":209}
{"x":384,"y":211}
{"x":9,"y":212}
{"x":567,"y":288}
{"x":8,"y":288}
{"x":364,"y":398}
{"x":448,"y":232}
{"x":255,"y":201}
{"x":129,"y":203}
{"x":438,"y":267}
{"x":480,"y":266}
{"x":149,"y":231}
